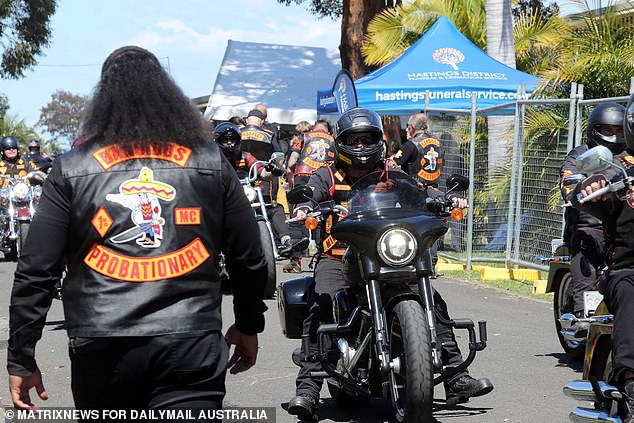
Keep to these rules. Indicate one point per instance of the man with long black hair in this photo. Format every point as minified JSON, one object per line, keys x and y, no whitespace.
{"x":139,"y":211}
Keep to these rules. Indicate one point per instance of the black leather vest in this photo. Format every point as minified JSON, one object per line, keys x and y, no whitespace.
{"x":257,"y":141}
{"x":318,"y":149}
{"x":426,"y":168}
{"x":145,"y":231}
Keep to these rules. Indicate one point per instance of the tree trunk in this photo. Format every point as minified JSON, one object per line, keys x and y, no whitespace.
{"x":500,"y":46}
{"x":354,"y":25}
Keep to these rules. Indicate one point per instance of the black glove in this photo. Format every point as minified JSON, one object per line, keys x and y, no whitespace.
{"x":275,"y":169}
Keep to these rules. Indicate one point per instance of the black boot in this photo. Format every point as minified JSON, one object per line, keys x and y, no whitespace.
{"x":464,"y":387}
{"x":627,"y":405}
{"x":303,"y":406}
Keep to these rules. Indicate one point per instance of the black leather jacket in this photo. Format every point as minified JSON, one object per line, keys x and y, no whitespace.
{"x":140,"y":236}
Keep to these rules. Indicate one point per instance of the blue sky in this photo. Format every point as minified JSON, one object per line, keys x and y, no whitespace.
{"x":188,"y":36}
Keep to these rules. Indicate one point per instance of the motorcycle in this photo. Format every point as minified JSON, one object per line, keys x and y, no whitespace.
{"x":259,"y":206}
{"x":560,"y":283}
{"x":384,"y":341}
{"x":597,"y":364}
{"x":19,"y":200}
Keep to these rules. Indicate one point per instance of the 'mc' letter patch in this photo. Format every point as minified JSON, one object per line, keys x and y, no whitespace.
{"x":187,"y":216}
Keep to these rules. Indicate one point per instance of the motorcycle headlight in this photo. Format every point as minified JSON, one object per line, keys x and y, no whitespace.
{"x":21,"y":190}
{"x":397,"y":247}
{"x":250,"y":193}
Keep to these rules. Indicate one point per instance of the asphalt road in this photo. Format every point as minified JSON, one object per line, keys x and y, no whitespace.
{"x":523,"y":360}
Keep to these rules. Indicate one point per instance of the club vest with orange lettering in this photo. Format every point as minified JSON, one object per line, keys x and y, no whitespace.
{"x":318,"y":149}
{"x":141,"y":242}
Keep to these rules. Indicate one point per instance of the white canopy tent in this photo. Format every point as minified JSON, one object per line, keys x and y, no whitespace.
{"x":285,"y":78}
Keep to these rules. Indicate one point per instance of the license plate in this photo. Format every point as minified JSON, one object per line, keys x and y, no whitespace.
{"x":591,"y":300}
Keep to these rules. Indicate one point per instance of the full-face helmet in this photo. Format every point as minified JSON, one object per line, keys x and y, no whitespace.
{"x":359,"y":138}
{"x":605,"y":127}
{"x":228,"y":137}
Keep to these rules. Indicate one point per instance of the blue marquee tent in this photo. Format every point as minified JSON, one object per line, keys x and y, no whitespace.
{"x":443,"y":62}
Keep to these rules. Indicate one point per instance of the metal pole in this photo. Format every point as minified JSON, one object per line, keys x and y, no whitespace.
{"x":570,"y":138}
{"x":579,"y":115}
{"x":518,"y":194}
{"x":632,"y":85}
{"x":472,"y":151}
{"x":427,"y":93}
{"x":509,"y":221}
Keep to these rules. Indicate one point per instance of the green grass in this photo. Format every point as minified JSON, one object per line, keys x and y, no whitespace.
{"x":512,"y":286}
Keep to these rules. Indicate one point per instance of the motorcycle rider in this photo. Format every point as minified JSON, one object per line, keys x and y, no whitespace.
{"x":228,"y":137}
{"x":256,"y":139}
{"x":360,"y":148}
{"x":618,"y":282}
{"x":12,"y":165}
{"x":41,"y":161}
{"x":311,"y":150}
{"x":583,"y":233}
{"x":421,"y":156}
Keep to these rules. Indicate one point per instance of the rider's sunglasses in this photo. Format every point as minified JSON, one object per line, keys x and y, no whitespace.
{"x":10,"y":148}
{"x":352,"y":140}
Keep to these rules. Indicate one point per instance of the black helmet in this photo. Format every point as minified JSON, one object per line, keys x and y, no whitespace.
{"x":34,"y":144}
{"x":606,"y":114}
{"x":9,"y":142}
{"x":359,"y":138}
{"x":628,"y":124}
{"x":228,"y":137}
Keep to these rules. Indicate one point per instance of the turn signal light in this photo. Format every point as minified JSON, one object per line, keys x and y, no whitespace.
{"x":311,"y":223}
{"x":457,"y":214}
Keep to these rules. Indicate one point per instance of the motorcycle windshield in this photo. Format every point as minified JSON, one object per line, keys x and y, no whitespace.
{"x":392,"y":189}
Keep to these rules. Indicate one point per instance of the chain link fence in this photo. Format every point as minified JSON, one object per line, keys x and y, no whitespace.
{"x":517,"y":211}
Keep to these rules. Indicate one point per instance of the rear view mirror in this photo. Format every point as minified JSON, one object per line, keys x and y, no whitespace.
{"x":457,"y":183}
{"x":594,"y":160}
{"x":277,"y":158}
{"x":299,"y":194}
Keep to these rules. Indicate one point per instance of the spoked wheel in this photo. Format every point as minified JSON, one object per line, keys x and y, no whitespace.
{"x":563,"y":302}
{"x":412,"y":374}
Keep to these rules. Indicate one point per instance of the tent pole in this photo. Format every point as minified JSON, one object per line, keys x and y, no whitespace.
{"x":514,"y":165}
{"x":472,"y":151}
{"x":520,"y":163}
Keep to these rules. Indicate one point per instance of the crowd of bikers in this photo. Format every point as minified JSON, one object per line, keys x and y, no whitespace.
{"x":148,"y":180}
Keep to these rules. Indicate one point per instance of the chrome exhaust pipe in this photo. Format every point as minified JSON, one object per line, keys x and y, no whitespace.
{"x":581,"y":390}
{"x":586,"y":415}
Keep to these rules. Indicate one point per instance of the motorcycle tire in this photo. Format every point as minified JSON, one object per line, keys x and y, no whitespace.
{"x":23,"y":231}
{"x":563,"y":303}
{"x":412,"y":384}
{"x":269,"y":256}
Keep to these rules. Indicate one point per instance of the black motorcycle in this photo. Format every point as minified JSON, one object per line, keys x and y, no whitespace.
{"x":594,"y":389}
{"x":383,"y":342}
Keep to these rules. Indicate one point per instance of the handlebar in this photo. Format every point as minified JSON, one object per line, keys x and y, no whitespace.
{"x":322,"y":208}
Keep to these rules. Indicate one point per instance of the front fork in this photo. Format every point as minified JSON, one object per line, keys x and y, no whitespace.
{"x":380,"y":322}
{"x":265,"y":215}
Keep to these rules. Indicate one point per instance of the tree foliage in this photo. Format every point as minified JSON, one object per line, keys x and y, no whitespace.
{"x":4,"y":105}
{"x":325,"y":8}
{"x":528,"y":7}
{"x":24,"y":32}
{"x":62,"y":115}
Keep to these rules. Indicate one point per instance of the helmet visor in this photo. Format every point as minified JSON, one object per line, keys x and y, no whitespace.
{"x":229,"y":141}
{"x":362,"y":139}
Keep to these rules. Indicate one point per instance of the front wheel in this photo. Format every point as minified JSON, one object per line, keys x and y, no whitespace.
{"x":23,"y":231}
{"x":563,"y":302}
{"x":412,"y":373}
{"x":269,"y":256}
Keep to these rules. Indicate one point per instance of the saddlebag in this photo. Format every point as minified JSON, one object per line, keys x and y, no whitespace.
{"x":292,"y":305}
